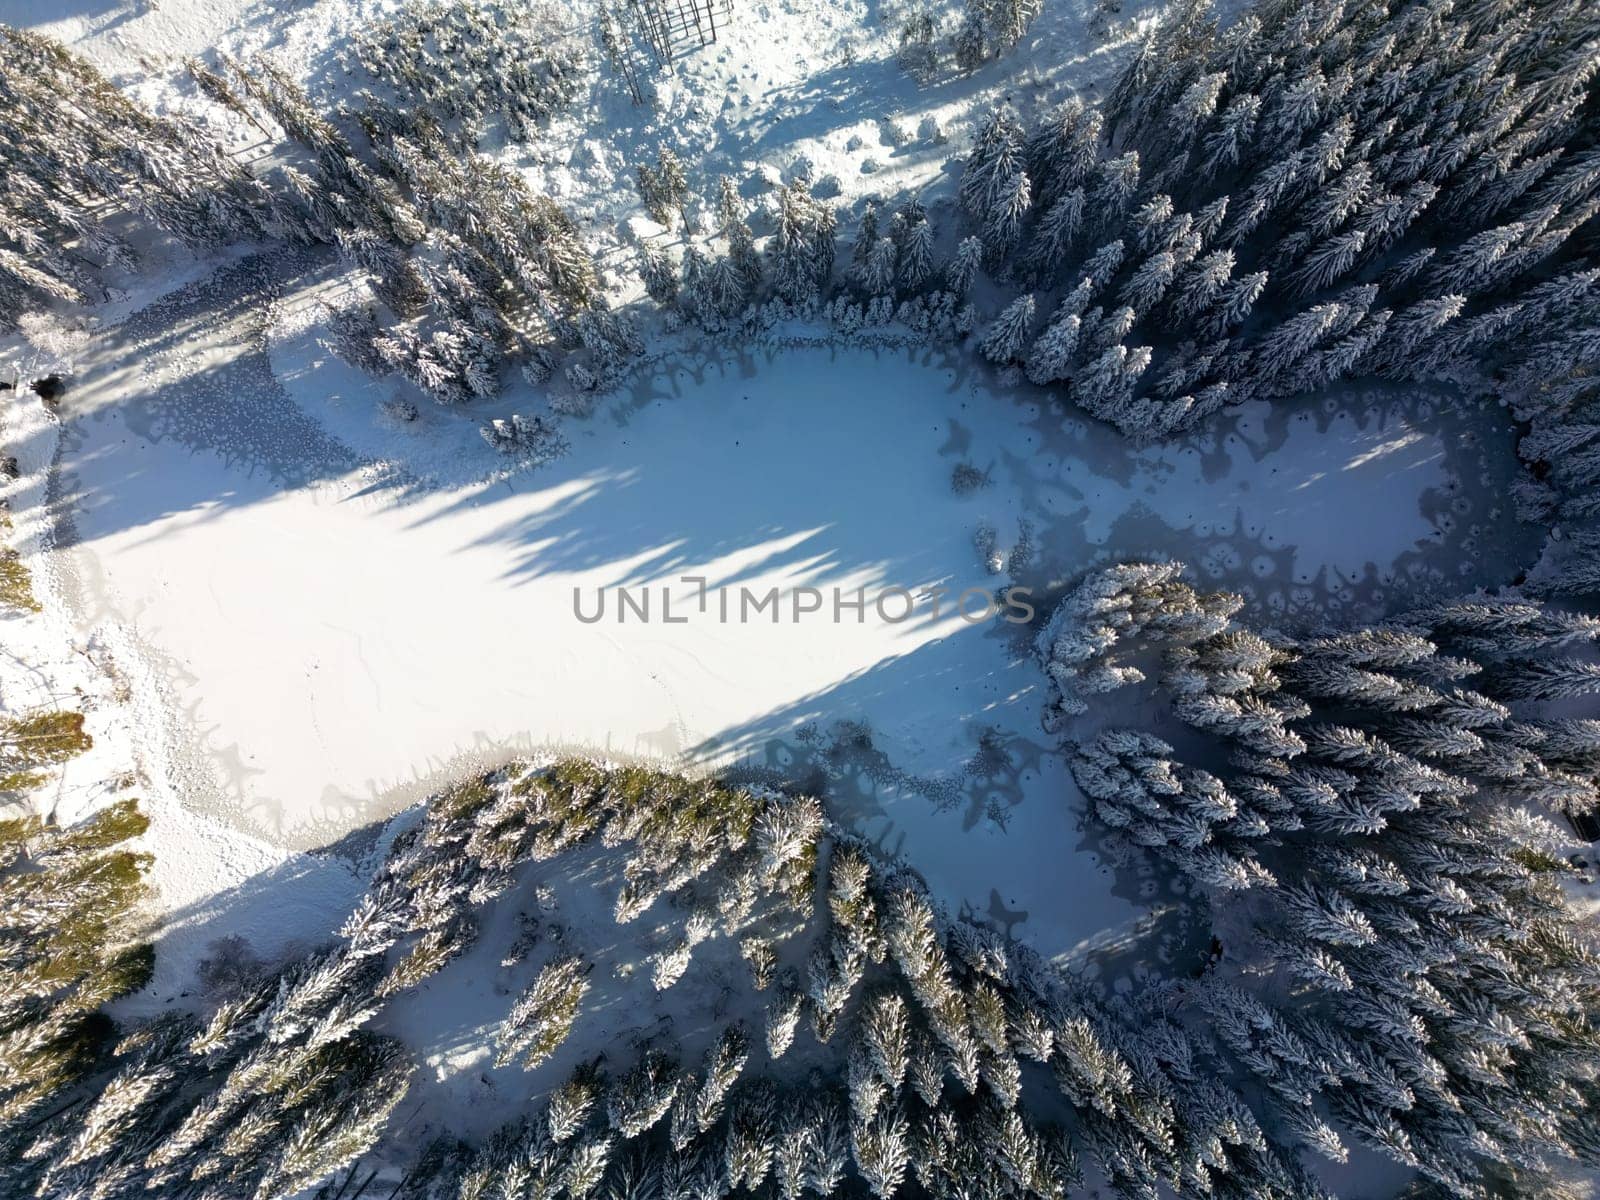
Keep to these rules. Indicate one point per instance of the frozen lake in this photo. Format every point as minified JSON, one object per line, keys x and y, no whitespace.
{"x":433,"y":625}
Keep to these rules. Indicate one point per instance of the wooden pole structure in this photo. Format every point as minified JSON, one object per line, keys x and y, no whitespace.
{"x":642,"y":15}
{"x":684,"y":17}
{"x":663,"y":22}
{"x":662,"y":29}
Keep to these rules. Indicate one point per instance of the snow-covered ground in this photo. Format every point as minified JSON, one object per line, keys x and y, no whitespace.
{"x":212,"y":879}
{"x":790,"y":85}
{"x":309,"y":614}
{"x":293,"y":600}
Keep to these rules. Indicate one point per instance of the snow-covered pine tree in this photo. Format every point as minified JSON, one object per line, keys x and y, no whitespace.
{"x":352,"y":334}
{"x":916,"y":255}
{"x":1003,"y":223}
{"x":866,"y":238}
{"x":660,"y":275}
{"x":750,"y":1146}
{"x":880,"y":269}
{"x":1004,"y":340}
{"x":643,"y":1096}
{"x":1119,"y":604}
{"x":736,"y":232}
{"x":996,"y":158}
{"x":1290,"y":172}
{"x":882,"y":1151}
{"x":571,"y":1103}
{"x":663,"y":187}
{"x":783,"y":1018}
{"x":1055,"y":351}
{"x":963,"y":266}
{"x":69,"y":900}
{"x":543,"y":1015}
{"x":802,"y":245}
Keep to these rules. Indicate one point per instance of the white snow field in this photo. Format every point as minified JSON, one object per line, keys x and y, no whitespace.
{"x":789,"y":86}
{"x":786,"y":80}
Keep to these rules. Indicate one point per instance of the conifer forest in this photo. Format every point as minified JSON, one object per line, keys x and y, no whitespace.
{"x":682,"y":599}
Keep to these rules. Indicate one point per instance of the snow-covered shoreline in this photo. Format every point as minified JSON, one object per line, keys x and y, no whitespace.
{"x":176,"y":673}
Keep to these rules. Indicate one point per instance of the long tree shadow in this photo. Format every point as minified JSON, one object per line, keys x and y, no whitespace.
{"x":189,"y":370}
{"x":722,"y":463}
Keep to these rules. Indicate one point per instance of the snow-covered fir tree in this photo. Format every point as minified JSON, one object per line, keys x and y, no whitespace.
{"x":1004,"y":340}
{"x":1376,"y":803}
{"x":466,"y":61}
{"x":1294,"y":206}
{"x":802,"y":245}
{"x":76,"y":154}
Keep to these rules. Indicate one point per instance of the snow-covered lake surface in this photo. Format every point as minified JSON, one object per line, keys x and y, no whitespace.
{"x":215,"y":461}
